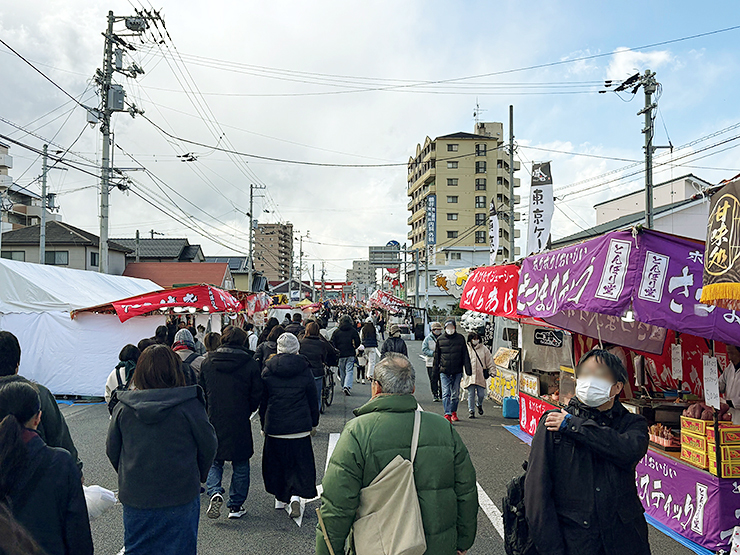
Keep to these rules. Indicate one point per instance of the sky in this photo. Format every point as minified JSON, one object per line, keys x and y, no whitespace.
{"x":332,"y":82}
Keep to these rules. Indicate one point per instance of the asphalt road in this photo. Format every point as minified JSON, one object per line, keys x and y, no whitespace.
{"x":496,"y":454}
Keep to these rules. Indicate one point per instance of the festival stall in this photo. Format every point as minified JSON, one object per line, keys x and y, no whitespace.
{"x":68,"y":356}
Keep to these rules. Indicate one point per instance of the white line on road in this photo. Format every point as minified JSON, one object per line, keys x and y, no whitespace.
{"x":491,"y":510}
{"x":333,"y":438}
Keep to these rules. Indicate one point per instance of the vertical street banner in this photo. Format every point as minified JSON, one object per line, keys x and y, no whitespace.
{"x":431,"y":220}
{"x":541,"y":207}
{"x":493,"y":226}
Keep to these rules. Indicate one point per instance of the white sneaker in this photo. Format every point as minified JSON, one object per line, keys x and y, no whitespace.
{"x":214,"y":507}
{"x":279,"y":505}
{"x":295,"y":508}
{"x":237,"y":512}
{"x":363,"y":382}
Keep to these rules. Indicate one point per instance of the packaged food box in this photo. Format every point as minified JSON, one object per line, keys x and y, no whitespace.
{"x":694,"y":425}
{"x":693,"y":441}
{"x":696,"y":458}
{"x":728,"y":435}
{"x":729,"y":470}
{"x":730,"y":453}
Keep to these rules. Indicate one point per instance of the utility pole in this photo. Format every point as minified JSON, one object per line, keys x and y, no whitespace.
{"x":106,"y":113}
{"x":137,"y":245}
{"x":426,"y":280}
{"x":313,"y":283}
{"x":251,"y":226}
{"x":416,"y":261}
{"x":649,"y":86}
{"x":512,"y":249}
{"x":42,"y":228}
{"x":323,"y":280}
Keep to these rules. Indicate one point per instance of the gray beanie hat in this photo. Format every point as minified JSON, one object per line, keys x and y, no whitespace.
{"x":184,"y":336}
{"x":288,"y":343}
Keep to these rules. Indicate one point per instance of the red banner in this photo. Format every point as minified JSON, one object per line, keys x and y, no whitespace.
{"x":204,"y":298}
{"x":531,"y":410}
{"x":386,"y":301}
{"x":492,"y":290}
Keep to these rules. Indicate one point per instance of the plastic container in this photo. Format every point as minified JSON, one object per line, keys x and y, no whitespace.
{"x":511,"y":407}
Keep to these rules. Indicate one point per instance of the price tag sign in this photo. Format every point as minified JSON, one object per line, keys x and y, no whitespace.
{"x":711,"y":382}
{"x":676,"y":362}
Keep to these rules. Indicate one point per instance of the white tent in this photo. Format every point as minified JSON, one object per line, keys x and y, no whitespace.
{"x":70,"y":357}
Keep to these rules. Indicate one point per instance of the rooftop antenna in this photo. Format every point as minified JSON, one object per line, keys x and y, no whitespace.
{"x":477,"y":112}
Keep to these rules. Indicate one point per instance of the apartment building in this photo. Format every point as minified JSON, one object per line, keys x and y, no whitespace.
{"x":362,"y":276}
{"x":273,"y":250}
{"x":464,"y":171}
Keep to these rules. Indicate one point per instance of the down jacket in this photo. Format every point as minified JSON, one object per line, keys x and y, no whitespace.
{"x":443,"y":471}
{"x":345,"y":338}
{"x":317,"y":350}
{"x":451,"y":355}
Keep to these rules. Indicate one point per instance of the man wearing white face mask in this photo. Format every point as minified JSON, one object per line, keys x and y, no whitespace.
{"x":580,"y":493}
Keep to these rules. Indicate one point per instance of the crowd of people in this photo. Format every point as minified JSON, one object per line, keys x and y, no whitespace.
{"x":183,"y":400}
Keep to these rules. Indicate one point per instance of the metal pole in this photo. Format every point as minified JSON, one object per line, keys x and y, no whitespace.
{"x":649,"y":86}
{"x":426,"y":280}
{"x":313,"y":283}
{"x":42,"y":227}
{"x":137,"y":245}
{"x":251,"y":251}
{"x":300,"y":267}
{"x":290,"y":279}
{"x":105,"y":128}
{"x":512,"y":249}
{"x":2,"y":209}
{"x":416,"y":260}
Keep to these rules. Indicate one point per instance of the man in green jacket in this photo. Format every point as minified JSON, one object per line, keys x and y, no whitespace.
{"x":443,"y":472}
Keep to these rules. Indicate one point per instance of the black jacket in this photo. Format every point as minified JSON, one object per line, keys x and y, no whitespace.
{"x":394,"y":345}
{"x":580,"y":493}
{"x":451,"y":355}
{"x":346,"y":339}
{"x":369,"y":336}
{"x":290,"y":404}
{"x":53,"y":428}
{"x":53,"y":511}
{"x":263,"y":352}
{"x":233,"y":387}
{"x":296,"y":328}
{"x":317,"y":350}
{"x":162,"y":446}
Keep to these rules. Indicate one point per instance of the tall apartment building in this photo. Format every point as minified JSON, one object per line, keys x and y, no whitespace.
{"x":361,"y":272}
{"x":465,"y":171}
{"x":273,"y":250}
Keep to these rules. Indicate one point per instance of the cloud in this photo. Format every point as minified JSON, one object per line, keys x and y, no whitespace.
{"x":626,"y":62}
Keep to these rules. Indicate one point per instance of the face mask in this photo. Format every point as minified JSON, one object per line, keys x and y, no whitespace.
{"x":437,"y":332}
{"x":449,"y":331}
{"x":474,"y":342}
{"x":593,"y":391}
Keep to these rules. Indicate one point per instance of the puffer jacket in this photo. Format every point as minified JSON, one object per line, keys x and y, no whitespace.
{"x":263,"y":352}
{"x":427,"y":348}
{"x":290,"y":403}
{"x":345,"y":338}
{"x":369,"y":336}
{"x":394,"y":345}
{"x":316,"y":349}
{"x":443,"y":472}
{"x":480,"y":359}
{"x":451,"y":356}
{"x":580,"y":492}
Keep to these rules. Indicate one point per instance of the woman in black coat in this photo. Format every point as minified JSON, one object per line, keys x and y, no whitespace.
{"x":318,"y":351}
{"x":42,"y":484}
{"x":268,"y":347}
{"x":289,"y":414}
{"x":271,"y":323}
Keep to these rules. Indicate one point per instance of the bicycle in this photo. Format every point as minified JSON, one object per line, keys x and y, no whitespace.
{"x":327,"y":391}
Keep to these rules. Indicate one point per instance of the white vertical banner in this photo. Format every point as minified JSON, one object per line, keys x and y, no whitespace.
{"x":541,"y":207}
{"x":493,"y":226}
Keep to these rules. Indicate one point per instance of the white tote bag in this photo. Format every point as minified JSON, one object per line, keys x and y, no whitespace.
{"x":389,"y":517}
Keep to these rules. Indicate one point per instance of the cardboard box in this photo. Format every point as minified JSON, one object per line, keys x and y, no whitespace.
{"x":729,"y":435}
{"x":696,"y":458}
{"x":693,"y":441}
{"x":730,"y":453}
{"x":694,"y":425}
{"x":729,"y":470}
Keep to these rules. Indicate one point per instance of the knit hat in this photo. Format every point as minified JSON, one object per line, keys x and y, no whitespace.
{"x":288,"y":343}
{"x":395,"y":329}
{"x":436,"y":326}
{"x":450,"y":323}
{"x":185,"y":337}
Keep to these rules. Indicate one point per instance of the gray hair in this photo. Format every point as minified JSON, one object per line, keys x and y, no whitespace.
{"x":395,"y":374}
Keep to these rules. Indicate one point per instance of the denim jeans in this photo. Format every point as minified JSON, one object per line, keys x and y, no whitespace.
{"x":319,"y":387}
{"x":450,"y":391}
{"x":347,"y":371}
{"x":166,"y":531}
{"x":474,"y":390}
{"x":239,"y":487}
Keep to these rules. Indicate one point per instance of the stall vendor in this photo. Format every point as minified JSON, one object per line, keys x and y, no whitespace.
{"x":729,"y":381}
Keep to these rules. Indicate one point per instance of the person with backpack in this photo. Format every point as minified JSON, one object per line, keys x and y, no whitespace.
{"x":580,"y":494}
{"x":268,"y":348}
{"x":427,"y":349}
{"x":394,"y":343}
{"x":296,"y":326}
{"x":230,"y":378}
{"x":445,"y":485}
{"x":346,"y":340}
{"x":41,"y":485}
{"x":369,"y":338}
{"x":451,"y":359}
{"x":481,"y":362}
{"x":200,"y":348}
{"x":161,"y":444}
{"x":184,"y":348}
{"x":121,"y":376}
{"x":318,"y":351}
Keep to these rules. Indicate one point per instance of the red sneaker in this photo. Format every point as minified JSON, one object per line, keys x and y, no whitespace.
{"x":454,"y":417}
{"x":448,"y":417}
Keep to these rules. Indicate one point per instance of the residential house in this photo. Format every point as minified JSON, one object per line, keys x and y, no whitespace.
{"x":177,"y":274}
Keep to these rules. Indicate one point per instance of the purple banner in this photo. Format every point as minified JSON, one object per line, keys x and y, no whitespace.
{"x":690,"y":501}
{"x":668,"y":289}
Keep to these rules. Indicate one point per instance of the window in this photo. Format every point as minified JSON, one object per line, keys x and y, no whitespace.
{"x":452,"y":181}
{"x":480,"y":219}
{"x":451,"y":216}
{"x":451,"y":165}
{"x":94,"y":258}
{"x":455,"y":256}
{"x":452,"y":234}
{"x":20,"y":256}
{"x":499,"y":164}
{"x":480,"y":202}
{"x":57,"y":258}
{"x":452,"y":200}
{"x":480,"y":167}
{"x":480,"y":150}
{"x":451,"y":148}
{"x":480,"y":236}
{"x":480,"y":184}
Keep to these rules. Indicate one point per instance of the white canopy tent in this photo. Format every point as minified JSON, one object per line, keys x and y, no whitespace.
{"x":70,"y":357}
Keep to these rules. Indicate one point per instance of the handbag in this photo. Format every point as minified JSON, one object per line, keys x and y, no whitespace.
{"x":389,"y":516}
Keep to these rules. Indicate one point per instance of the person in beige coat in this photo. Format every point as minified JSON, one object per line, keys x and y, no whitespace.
{"x":481,"y":360}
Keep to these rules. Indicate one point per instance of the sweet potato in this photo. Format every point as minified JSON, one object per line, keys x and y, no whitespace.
{"x":727,"y":417}
{"x":707,"y":415}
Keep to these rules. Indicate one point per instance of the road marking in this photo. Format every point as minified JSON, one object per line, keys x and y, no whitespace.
{"x":333,"y":438}
{"x":491,"y":510}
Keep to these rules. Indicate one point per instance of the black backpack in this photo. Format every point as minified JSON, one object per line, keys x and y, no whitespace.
{"x":191,"y":378}
{"x":120,"y":387}
{"x":516,"y":529}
